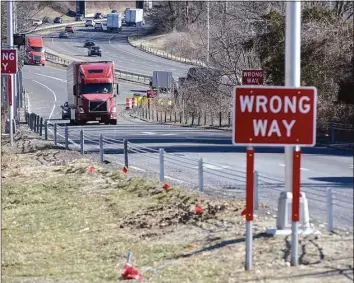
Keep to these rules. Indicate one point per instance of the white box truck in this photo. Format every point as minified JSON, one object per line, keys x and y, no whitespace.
{"x":162,"y":80}
{"x":134,"y":17}
{"x":114,"y":22}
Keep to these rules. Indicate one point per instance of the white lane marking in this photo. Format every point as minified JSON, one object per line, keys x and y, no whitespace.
{"x":54,"y":78}
{"x":55,"y":97}
{"x":282,"y":165}
{"x":174,"y":179}
{"x":213,"y":167}
{"x":149,"y":133}
{"x":137,"y":168}
{"x":350,"y":166}
{"x":168,"y":134}
{"x":304,"y":169}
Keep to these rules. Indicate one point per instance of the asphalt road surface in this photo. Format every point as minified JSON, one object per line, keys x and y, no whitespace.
{"x":115,"y":47}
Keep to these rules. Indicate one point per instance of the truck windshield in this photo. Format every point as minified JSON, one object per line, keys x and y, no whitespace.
{"x":37,"y":49}
{"x":96,"y":88}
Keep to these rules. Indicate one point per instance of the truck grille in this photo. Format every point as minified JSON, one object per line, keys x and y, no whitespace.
{"x":98,"y":106}
{"x":37,"y":58}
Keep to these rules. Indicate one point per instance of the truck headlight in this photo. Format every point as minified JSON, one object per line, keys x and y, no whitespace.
{"x":114,"y":109}
{"x":81,"y":110}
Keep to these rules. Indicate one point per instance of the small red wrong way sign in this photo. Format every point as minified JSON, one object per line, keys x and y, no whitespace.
{"x":274,"y":116}
{"x":252,"y":77}
{"x":8,"y":61}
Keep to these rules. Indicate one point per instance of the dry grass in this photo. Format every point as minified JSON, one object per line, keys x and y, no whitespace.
{"x":63,"y":224}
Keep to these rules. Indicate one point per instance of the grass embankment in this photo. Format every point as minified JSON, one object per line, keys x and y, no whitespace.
{"x":62,"y":223}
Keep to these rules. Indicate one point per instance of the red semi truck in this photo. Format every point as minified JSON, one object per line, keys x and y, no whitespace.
{"x":92,"y":92}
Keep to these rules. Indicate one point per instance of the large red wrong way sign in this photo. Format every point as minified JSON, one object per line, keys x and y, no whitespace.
{"x":274,"y":116}
{"x":8,"y":61}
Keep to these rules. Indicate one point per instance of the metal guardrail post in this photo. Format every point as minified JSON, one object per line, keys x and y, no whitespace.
{"x":162,"y":166}
{"x":55,"y":133}
{"x":66,"y":137}
{"x":199,"y":119}
{"x":41,"y":126}
{"x":200,"y":171}
{"x":82,"y":141}
{"x":205,"y":118}
{"x":170,"y":116}
{"x":46,"y":129}
{"x":333,"y":131}
{"x":192,"y":118}
{"x":101,"y":148}
{"x":33,"y":124}
{"x":175,"y":116}
{"x":126,"y":163}
{"x":229,"y":118}
{"x":180,"y":117}
{"x":37,"y":124}
{"x":329,"y":210}
{"x":256,"y":202}
{"x":220,"y":119}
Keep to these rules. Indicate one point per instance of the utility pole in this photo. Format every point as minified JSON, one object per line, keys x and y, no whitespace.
{"x":10,"y":42}
{"x":208,"y":44}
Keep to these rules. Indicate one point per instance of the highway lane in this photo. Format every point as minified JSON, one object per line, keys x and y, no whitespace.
{"x":115,"y":47}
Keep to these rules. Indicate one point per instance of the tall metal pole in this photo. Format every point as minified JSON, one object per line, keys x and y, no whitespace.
{"x":208,"y":12}
{"x":10,"y":43}
{"x":292,"y":69}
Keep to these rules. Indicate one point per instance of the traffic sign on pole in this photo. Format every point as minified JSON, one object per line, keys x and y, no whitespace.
{"x":252,"y":77}
{"x":8,"y":61}
{"x":274,"y":116}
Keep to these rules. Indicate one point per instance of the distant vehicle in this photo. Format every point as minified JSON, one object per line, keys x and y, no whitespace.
{"x":65,"y":113}
{"x":134,"y":17}
{"x":104,"y":26}
{"x":114,"y":22}
{"x":37,"y":22}
{"x":89,"y":43}
{"x":58,"y":20}
{"x":114,"y":11}
{"x":34,"y":50}
{"x":92,"y":92}
{"x":69,"y":29}
{"x":63,"y":34}
{"x":98,"y":26}
{"x":95,"y":50}
{"x":98,"y":16}
{"x":79,"y":17}
{"x":89,"y":23}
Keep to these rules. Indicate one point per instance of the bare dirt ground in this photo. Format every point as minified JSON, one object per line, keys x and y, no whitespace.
{"x":63,"y":224}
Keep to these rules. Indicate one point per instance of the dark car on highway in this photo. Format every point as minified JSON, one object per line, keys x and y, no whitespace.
{"x":65,"y":112}
{"x":89,"y":43}
{"x":79,"y":17}
{"x":95,"y":50}
{"x":58,"y":20}
{"x":98,"y":16}
{"x":63,"y":34}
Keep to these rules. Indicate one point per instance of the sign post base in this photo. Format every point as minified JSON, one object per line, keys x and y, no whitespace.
{"x":284,"y":214}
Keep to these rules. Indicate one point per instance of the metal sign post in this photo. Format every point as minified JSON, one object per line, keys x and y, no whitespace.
{"x":10,"y":33}
{"x":292,"y":71}
{"x":295,"y":207}
{"x":249,"y":211}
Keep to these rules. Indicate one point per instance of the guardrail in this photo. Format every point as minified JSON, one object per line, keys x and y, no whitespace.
{"x":129,"y":76}
{"x":58,"y":26}
{"x":164,"y":54}
{"x":211,"y":178}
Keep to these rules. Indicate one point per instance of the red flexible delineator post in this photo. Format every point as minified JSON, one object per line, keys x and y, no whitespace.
{"x":250,"y":184}
{"x":296,"y":186}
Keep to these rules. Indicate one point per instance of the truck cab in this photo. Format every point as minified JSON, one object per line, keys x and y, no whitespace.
{"x":92,"y":92}
{"x":34,"y":51}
